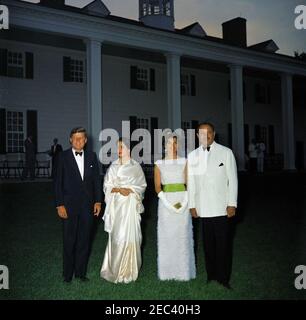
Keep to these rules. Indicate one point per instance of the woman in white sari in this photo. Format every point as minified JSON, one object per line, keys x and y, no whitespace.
{"x":124,"y":186}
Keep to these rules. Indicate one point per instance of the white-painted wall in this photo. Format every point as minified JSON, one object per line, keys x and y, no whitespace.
{"x":62,"y":106}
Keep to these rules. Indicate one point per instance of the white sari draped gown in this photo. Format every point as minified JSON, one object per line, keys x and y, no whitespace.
{"x":176,"y":259}
{"x":122,"y":217}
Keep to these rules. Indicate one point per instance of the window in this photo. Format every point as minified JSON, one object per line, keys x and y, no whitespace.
{"x":168,"y":8}
{"x":142,"y":78}
{"x":15,"y":64}
{"x":156,"y":10}
{"x":262,"y":94}
{"x":264,"y":134}
{"x":144,"y":9}
{"x":142,"y":124}
{"x":188,"y":85}
{"x":15,"y":131}
{"x":186,"y":125}
{"x":74,"y":70}
{"x":185,"y":85}
{"x":77,"y":70}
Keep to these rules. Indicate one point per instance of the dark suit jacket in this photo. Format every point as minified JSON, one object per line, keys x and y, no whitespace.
{"x":77,"y":195}
{"x":58,"y":149}
{"x":29,"y":150}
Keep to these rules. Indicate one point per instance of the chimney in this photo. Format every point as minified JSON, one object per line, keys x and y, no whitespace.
{"x":235,"y":32}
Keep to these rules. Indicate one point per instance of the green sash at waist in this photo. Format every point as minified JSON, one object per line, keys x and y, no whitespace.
{"x":176,"y":187}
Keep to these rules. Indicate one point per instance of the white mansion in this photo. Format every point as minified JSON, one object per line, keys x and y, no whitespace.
{"x":62,"y":66}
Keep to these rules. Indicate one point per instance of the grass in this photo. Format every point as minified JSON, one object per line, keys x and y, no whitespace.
{"x":269,"y":242}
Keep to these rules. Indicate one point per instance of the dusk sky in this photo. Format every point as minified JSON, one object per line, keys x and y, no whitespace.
{"x":267,"y":19}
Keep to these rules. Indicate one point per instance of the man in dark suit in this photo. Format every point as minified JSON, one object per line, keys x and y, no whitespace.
{"x":56,"y":148}
{"x":30,"y":159}
{"x":78,"y":194}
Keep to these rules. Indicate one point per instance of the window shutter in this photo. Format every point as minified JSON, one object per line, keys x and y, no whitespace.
{"x":230,"y":135}
{"x":66,"y":69}
{"x":246,"y":138}
{"x":32,"y":126}
{"x":152,"y":79}
{"x":193,"y":85}
{"x":194,"y":125}
{"x":3,"y":62}
{"x":133,"y":127}
{"x":268,"y":94}
{"x":257,"y":93}
{"x":271,"y":140}
{"x":153,"y":126}
{"x":257,"y":132}
{"x":133,"y":77}
{"x":229,"y":88}
{"x":2,"y":131}
{"x":29,"y":74}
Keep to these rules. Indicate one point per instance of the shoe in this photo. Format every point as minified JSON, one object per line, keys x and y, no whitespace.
{"x":83,"y":279}
{"x":226,"y":285}
{"x":67,"y":280}
{"x":210,"y":280}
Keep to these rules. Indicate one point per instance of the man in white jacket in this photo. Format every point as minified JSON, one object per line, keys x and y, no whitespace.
{"x":212,"y":192}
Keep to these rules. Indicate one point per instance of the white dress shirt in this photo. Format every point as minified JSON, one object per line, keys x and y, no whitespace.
{"x":212,"y":180}
{"x":80,"y":162}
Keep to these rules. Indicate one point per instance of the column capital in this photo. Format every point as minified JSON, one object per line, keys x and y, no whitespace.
{"x":96,"y":41}
{"x":235,"y":66}
{"x":174,"y":55}
{"x":286,"y":74}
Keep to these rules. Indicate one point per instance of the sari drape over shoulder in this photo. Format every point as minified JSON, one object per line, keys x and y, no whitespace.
{"x":122,"y":217}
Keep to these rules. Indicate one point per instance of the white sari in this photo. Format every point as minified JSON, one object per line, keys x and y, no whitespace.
{"x":122,"y":259}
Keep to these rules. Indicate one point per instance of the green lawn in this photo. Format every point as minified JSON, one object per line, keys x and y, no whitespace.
{"x":269,"y":242}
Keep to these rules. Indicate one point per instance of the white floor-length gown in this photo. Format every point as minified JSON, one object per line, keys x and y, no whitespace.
{"x":176,"y":259}
{"x":122,"y":217}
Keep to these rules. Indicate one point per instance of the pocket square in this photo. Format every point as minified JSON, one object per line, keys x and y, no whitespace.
{"x":221,"y":165}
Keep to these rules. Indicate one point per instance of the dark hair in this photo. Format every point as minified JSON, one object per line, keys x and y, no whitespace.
{"x":78,"y":130}
{"x":206,"y":124}
{"x":125,"y":141}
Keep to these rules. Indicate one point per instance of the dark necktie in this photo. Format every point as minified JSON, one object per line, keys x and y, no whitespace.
{"x":79,"y":153}
{"x":208,"y":149}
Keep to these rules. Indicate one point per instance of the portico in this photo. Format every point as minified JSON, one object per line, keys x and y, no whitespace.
{"x":97,"y":32}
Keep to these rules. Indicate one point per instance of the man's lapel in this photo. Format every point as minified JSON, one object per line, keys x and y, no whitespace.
{"x":85,"y":164}
{"x":74,"y":164}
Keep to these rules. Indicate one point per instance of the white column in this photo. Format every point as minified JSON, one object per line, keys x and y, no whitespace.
{"x":288,"y":122}
{"x":174,"y":90}
{"x":94,"y":92}
{"x":237,"y":112}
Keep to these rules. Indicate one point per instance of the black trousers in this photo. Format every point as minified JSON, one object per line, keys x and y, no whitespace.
{"x":29,"y":168}
{"x":253,"y":165}
{"x":77,"y":231}
{"x":217,"y":248}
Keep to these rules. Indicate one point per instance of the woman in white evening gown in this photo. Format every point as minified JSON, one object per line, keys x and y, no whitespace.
{"x":124,"y":186}
{"x":176,"y":260}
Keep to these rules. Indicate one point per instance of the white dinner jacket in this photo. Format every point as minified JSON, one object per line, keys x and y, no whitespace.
{"x":212,"y":191}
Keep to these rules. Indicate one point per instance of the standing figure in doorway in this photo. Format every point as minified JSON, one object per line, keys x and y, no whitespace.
{"x":30,"y":159}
